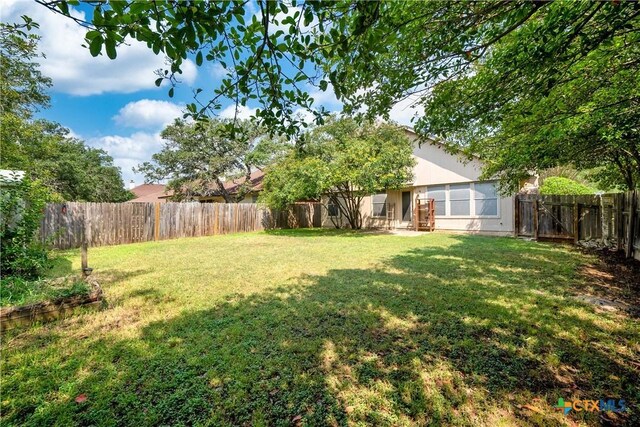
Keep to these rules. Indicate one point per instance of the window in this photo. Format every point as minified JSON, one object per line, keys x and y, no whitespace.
{"x":333,"y":209}
{"x":459,"y":199}
{"x":438,"y":193}
{"x":379,"y":205}
{"x":486,"y":199}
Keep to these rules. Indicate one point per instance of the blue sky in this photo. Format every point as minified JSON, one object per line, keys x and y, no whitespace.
{"x":115,"y":105}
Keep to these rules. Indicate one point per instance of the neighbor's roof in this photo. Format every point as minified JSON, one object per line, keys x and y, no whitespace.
{"x":233,"y":185}
{"x":255,"y":179}
{"x":149,"y":193}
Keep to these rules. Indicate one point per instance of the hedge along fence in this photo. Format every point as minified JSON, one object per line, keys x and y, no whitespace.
{"x":66,"y":225}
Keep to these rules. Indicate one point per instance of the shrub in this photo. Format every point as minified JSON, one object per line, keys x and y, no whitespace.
{"x":21,"y":206}
{"x":564,"y":186}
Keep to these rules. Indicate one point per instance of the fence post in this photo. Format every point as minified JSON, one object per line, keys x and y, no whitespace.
{"x":516,"y":215}
{"x":156,"y":225}
{"x":535,"y":218}
{"x":576,"y":220}
{"x":86,"y":238}
{"x":628,"y":251}
{"x":619,"y":203}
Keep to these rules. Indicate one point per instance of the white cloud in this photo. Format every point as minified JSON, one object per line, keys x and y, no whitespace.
{"x":217,"y":71}
{"x":243,"y":112}
{"x":325,"y":98}
{"x":129,"y":151}
{"x":72,"y":67}
{"x":405,"y":110}
{"x":148,"y":114}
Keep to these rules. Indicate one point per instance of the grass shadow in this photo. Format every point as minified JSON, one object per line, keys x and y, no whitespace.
{"x":424,"y":339}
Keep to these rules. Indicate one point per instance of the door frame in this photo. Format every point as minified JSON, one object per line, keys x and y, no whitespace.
{"x":404,"y":221}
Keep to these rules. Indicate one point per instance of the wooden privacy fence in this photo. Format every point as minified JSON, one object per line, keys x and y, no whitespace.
{"x":609,"y":219}
{"x":66,"y":225}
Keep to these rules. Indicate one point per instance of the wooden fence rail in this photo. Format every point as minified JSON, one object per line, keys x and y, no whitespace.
{"x":610,"y":219}
{"x":66,"y":225}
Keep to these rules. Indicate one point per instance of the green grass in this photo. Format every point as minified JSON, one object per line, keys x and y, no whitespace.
{"x":17,"y":291}
{"x":325,"y":328}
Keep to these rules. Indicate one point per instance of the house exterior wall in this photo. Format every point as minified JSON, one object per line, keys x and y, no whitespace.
{"x":436,"y":167}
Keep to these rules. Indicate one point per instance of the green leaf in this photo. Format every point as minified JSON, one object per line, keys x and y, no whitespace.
{"x":92,"y":34}
{"x":95,"y":46}
{"x":159,"y":81}
{"x":199,"y":58}
{"x":64,"y":7}
{"x":171,"y":93}
{"x":110,"y":47}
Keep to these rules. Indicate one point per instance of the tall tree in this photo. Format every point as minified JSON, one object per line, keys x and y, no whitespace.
{"x":343,"y":162}
{"x":198,"y":158}
{"x":43,"y":149}
{"x":23,"y":88}
{"x":507,"y":58}
{"x":64,"y":165}
{"x":579,"y":107}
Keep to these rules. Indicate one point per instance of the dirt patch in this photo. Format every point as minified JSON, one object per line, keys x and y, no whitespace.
{"x":612,"y":282}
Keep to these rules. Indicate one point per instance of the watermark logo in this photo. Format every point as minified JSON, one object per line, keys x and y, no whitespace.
{"x":602,"y":405}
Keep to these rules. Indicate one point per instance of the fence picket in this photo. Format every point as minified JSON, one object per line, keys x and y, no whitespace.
{"x":120,"y":223}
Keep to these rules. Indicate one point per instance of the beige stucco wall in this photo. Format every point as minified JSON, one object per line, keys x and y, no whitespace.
{"x":436,"y":166}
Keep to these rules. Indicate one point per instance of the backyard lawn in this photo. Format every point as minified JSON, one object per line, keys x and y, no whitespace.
{"x":313,"y":327}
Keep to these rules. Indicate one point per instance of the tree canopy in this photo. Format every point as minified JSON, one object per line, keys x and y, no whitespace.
{"x":342,"y":161}
{"x":527,"y":84}
{"x":198,"y":157}
{"x":43,"y":149}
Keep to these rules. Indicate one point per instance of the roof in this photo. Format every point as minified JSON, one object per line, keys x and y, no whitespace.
{"x":255,"y":179}
{"x":233,"y":185}
{"x":149,"y":193}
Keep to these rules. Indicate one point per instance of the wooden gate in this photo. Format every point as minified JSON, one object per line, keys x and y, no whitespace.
{"x":424,"y":215}
{"x":610,"y":219}
{"x":562,"y":217}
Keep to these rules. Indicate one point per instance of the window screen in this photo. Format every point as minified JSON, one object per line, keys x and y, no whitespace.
{"x":437,"y":192}
{"x":333,"y":209}
{"x":459,"y":199}
{"x":379,"y":205}
{"x":486,"y":199}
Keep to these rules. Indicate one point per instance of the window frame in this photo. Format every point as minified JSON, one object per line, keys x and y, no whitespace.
{"x":472,"y":200}
{"x":384,"y":204}
{"x":337,"y":210}
{"x":445,"y":200}
{"x":496,"y":198}
{"x":468,"y":199}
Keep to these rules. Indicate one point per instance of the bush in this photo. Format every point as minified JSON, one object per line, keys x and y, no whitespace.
{"x":21,"y":207}
{"x":557,"y":185}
